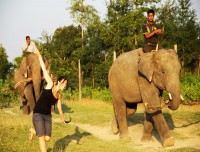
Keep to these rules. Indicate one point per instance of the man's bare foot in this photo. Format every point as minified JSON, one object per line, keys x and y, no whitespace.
{"x":31,"y":134}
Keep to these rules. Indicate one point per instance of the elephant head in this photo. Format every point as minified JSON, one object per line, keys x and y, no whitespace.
{"x":30,"y":92}
{"x":162,"y":68}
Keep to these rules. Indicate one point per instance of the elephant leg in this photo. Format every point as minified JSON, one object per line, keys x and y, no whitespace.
{"x":163,"y":129}
{"x":148,"y":127}
{"x":120,"y":113}
{"x":30,"y":96}
{"x":114,"y":126}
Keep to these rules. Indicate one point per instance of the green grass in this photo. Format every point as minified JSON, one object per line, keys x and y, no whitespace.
{"x":89,"y":111}
{"x":14,"y":127}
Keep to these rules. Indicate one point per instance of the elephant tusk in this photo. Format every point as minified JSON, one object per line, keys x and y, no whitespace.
{"x":156,"y":47}
{"x":181,"y":97}
{"x":170,"y":96}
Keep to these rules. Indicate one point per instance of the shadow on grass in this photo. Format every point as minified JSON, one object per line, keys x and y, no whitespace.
{"x":62,"y":144}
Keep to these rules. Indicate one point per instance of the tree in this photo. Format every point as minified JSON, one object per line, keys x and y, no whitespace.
{"x":167,"y":21}
{"x":124,"y":24}
{"x":188,"y":37}
{"x":181,"y":28}
{"x":4,"y":64}
{"x":82,"y":14}
{"x":61,"y":50}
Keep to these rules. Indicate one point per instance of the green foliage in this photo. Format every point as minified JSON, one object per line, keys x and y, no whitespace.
{"x":181,"y":27}
{"x":4,"y":64}
{"x":17,"y":61}
{"x":190,"y":87}
{"x":102,"y":94}
{"x":7,"y":97}
{"x":84,"y":14}
{"x":88,"y":92}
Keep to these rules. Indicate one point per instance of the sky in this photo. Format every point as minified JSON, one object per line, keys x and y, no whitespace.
{"x":19,"y":18}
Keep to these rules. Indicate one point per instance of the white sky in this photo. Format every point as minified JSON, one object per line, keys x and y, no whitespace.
{"x":19,"y":18}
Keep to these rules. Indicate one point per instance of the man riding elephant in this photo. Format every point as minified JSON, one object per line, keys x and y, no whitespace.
{"x":29,"y":69}
{"x":28,"y":48}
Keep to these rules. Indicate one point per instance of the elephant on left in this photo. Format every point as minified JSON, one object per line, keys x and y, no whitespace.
{"x":30,"y":91}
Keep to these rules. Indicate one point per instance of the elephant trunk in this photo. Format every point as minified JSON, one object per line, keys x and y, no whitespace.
{"x":175,"y":95}
{"x":175,"y":102}
{"x":37,"y":82}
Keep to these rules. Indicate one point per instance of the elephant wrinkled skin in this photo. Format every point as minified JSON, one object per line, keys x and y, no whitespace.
{"x":134,"y":79}
{"x":30,"y":91}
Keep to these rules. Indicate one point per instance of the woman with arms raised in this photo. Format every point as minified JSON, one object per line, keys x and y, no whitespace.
{"x":42,"y":119}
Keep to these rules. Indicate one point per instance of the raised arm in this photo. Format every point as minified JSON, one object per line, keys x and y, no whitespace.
{"x":45,"y":72}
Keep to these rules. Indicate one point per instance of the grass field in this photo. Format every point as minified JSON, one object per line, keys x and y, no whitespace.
{"x":90,"y":130}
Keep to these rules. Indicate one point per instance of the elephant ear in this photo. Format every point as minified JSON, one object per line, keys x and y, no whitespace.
{"x":145,"y":66}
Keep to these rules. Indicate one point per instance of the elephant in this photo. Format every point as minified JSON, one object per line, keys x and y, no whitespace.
{"x":135,"y":78}
{"x":30,"y":91}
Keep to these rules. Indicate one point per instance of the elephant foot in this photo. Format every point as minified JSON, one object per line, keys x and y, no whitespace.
{"x":168,"y":142}
{"x":125,"y":138}
{"x":147,"y":138}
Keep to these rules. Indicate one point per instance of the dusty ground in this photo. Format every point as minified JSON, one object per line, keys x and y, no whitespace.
{"x":186,"y":134}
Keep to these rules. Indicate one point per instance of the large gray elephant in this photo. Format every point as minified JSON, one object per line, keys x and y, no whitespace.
{"x":134,"y":79}
{"x":29,"y":91}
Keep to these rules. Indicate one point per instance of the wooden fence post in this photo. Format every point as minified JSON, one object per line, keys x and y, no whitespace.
{"x":79,"y":79}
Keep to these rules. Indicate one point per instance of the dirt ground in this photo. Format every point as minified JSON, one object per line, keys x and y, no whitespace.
{"x":186,"y":135}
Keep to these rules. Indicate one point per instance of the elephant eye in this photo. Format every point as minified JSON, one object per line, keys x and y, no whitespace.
{"x":163,"y":72}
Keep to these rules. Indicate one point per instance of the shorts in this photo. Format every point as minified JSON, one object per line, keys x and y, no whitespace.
{"x":42,"y":124}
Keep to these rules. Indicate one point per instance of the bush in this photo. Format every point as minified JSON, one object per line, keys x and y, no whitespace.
{"x":7,"y":97}
{"x":190,"y":87}
{"x":102,"y":94}
{"x":88,"y":92}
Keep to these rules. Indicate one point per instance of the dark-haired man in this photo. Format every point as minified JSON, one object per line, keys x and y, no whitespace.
{"x":150,"y":32}
{"x":28,"y":48}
